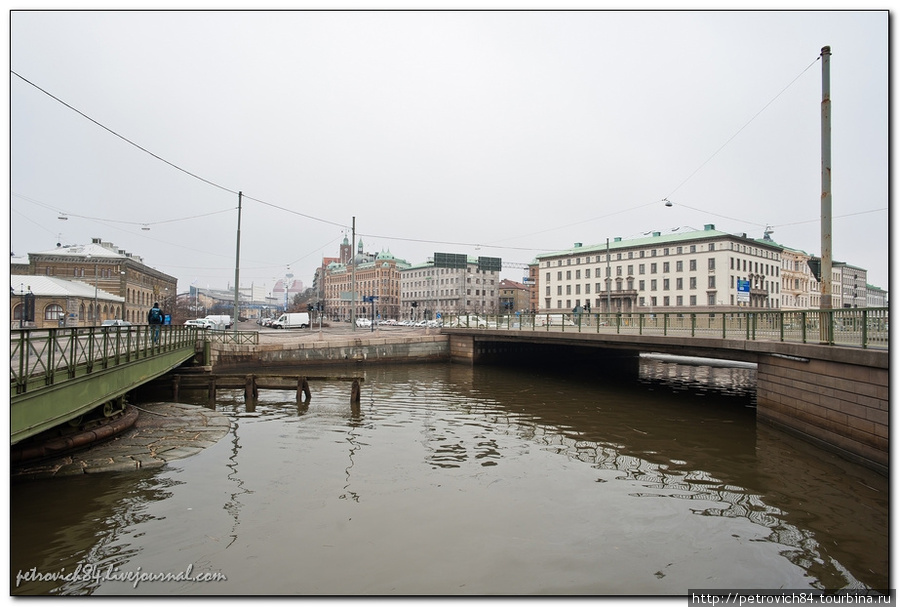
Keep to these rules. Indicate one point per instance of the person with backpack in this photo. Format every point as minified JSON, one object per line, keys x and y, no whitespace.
{"x":155,"y":318}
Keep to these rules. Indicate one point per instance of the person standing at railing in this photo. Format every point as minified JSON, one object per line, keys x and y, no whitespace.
{"x":155,"y":318}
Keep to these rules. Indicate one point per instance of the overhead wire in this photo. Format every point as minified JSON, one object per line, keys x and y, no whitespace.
{"x":740,"y":130}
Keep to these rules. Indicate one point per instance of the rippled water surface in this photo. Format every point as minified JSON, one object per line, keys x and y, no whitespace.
{"x":453,"y":480}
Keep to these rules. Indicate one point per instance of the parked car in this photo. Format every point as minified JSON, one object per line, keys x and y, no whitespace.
{"x":115,"y":322}
{"x":363,"y":322}
{"x":203,"y":323}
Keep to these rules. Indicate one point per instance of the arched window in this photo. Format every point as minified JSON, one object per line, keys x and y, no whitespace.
{"x":53,"y":312}
{"x":81,"y":311}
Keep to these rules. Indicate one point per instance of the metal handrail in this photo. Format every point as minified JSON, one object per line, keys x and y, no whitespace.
{"x":44,"y":357}
{"x":849,"y":327}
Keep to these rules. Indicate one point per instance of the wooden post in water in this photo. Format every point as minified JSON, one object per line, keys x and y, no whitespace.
{"x":176,"y":382}
{"x":302,"y":390}
{"x":354,"y":393}
{"x":250,"y":389}
{"x":212,"y":391}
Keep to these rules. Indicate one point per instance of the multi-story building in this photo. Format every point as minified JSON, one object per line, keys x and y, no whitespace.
{"x":853,"y":285}
{"x":450,"y":290}
{"x":876,"y":297}
{"x":797,"y":280}
{"x":375,"y":275}
{"x":682,"y":270}
{"x":534,"y":286}
{"x":110,"y":269}
{"x":514,"y":296}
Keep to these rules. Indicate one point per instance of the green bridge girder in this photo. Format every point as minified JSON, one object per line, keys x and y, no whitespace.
{"x":57,"y":375}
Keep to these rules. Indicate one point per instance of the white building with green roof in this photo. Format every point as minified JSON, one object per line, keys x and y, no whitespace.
{"x":682,"y":270}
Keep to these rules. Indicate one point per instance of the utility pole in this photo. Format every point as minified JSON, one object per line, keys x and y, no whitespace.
{"x":825,"y":300}
{"x":237,"y":266}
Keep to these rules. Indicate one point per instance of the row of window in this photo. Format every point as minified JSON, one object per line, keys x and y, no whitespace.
{"x":736,"y":264}
{"x":666,"y":251}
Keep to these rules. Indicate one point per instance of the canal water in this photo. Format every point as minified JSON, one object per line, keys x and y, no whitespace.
{"x":452,"y":480}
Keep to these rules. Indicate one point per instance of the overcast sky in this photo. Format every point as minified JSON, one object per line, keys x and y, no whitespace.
{"x":505,"y":134}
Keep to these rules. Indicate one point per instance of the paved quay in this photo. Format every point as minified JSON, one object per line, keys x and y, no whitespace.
{"x":163,"y":432}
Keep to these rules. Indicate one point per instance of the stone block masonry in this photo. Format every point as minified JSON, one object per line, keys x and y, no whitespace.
{"x":335,"y":349}
{"x":839,"y":403}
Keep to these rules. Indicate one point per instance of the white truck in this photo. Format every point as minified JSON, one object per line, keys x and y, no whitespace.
{"x":292,"y":320}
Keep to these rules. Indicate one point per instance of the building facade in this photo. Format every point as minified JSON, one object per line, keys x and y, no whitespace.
{"x":348,"y":284}
{"x":441,"y":290}
{"x":514,"y":297}
{"x":112,"y":270}
{"x":681,"y":271}
{"x":48,"y":302}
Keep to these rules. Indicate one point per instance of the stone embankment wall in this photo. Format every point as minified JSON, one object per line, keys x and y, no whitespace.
{"x":840,"y":403}
{"x":381,"y":349}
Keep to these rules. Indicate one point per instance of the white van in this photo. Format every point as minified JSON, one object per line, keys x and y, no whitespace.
{"x":221,"y":320}
{"x":292,"y":320}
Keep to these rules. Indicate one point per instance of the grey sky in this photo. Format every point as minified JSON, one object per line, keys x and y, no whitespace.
{"x":521,"y":132}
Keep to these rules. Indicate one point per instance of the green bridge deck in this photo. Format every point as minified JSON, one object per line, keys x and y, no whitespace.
{"x":56,"y":375}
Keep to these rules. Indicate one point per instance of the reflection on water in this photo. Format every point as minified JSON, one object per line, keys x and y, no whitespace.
{"x":455,"y":480}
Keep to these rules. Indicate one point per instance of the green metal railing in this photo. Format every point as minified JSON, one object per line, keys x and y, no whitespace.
{"x":45,"y":357}
{"x":853,"y":327}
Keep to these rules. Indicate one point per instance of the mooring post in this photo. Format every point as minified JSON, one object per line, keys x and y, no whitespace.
{"x":176,"y":381}
{"x":302,"y":390}
{"x":249,"y":389}
{"x":354,"y":393}
{"x":212,"y":391}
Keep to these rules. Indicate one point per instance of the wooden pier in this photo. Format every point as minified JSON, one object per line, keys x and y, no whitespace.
{"x":253,"y":383}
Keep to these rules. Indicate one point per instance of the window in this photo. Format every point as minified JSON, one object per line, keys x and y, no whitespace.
{"x":53,"y":312}
{"x":712,"y":282}
{"x":641,"y":269}
{"x":665,"y":284}
{"x":693,"y":300}
{"x":679,"y":266}
{"x":641,"y":286}
{"x":559,"y":289}
{"x":559,"y":275}
{"x":679,"y":284}
{"x":666,"y":300}
{"x":653,"y":268}
{"x":679,"y":300}
{"x":692,"y":265}
{"x":568,"y":274}
{"x":693,"y":282}
{"x":653,"y":285}
{"x":665,"y":267}
{"x":577,"y":274}
{"x":712,"y":263}
{"x":630,"y":270}
{"x":587,"y":289}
